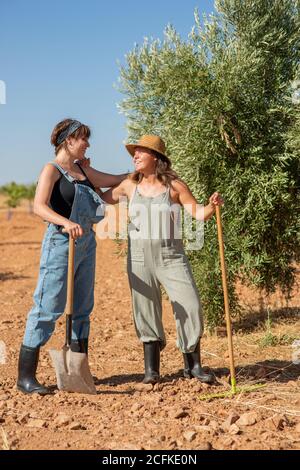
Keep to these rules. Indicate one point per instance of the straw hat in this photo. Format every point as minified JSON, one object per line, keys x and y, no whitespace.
{"x":152,"y":142}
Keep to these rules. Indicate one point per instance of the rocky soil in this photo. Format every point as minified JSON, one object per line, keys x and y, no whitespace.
{"x":125,"y":414}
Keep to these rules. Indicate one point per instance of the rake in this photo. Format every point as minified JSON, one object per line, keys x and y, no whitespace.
{"x":234,"y":389}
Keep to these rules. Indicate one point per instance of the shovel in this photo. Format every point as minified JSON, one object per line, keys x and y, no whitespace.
{"x":72,"y":368}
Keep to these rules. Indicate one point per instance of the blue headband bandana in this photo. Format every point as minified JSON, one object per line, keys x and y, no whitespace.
{"x":72,"y":127}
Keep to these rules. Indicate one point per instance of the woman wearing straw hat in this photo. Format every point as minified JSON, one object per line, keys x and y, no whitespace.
{"x":156,"y":255}
{"x":67,"y":199}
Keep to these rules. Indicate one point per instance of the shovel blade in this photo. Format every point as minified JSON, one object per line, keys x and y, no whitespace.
{"x":72,"y":371}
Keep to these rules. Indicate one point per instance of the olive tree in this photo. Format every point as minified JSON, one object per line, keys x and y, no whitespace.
{"x":222,"y":102}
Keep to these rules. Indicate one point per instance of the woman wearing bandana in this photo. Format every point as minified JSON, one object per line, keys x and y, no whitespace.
{"x":68,"y":201}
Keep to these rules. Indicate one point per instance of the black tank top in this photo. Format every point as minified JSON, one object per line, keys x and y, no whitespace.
{"x":63,"y":193}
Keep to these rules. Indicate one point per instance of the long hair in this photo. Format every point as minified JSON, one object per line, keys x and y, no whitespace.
{"x":163,"y":171}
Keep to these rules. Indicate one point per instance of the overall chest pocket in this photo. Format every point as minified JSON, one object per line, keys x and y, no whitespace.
{"x":91,"y":208}
{"x":92,"y":213}
{"x":171,"y":256}
{"x":137,"y":256}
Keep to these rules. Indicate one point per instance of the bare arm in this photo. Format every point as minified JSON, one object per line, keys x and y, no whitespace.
{"x":103,"y":180}
{"x":190,"y":204}
{"x":122,"y":190}
{"x":47,"y":179}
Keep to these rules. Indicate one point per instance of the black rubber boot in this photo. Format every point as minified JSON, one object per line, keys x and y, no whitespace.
{"x":28,"y":362}
{"x":192,"y":367}
{"x":186,"y":371}
{"x":80,"y":345}
{"x":151,"y":358}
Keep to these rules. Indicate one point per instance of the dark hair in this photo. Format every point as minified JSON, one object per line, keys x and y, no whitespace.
{"x":82,"y":131}
{"x":163,"y":170}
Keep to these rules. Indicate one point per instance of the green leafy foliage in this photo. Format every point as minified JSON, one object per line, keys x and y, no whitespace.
{"x":222,"y":102}
{"x":271,"y":339}
{"x":16,"y":192}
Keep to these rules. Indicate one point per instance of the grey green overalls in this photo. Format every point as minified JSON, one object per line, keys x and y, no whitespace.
{"x":50,"y":294}
{"x":156,"y":257}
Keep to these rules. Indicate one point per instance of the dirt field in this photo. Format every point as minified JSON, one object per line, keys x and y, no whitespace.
{"x":125,"y":414}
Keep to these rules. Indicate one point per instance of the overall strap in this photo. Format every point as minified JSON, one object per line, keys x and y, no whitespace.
{"x":168,"y":195}
{"x":64,"y":172}
{"x":133,"y":196}
{"x":84,"y":173}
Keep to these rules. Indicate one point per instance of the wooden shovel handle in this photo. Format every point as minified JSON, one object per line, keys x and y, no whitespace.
{"x":70,"y":283}
{"x":226,"y":301}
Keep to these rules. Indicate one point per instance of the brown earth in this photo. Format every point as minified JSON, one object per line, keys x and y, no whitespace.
{"x":125,"y":414}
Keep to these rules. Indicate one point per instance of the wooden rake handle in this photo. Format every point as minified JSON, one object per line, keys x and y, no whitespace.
{"x":226,"y":301}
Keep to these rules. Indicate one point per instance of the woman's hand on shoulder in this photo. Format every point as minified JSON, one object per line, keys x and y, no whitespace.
{"x":84,"y":162}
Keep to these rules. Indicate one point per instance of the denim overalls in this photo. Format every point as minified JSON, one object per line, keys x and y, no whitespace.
{"x":51,"y":291}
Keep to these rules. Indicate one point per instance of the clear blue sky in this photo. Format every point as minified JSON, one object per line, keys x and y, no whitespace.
{"x":58,"y":59}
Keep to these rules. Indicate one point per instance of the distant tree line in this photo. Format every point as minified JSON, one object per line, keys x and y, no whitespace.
{"x":15,"y":193}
